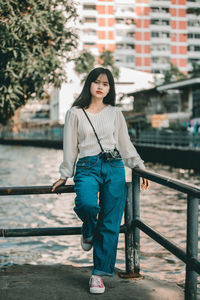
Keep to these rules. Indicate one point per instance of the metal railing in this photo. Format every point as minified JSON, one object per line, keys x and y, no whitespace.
{"x":169,"y":139}
{"x":133,"y":225}
{"x":48,"y":134}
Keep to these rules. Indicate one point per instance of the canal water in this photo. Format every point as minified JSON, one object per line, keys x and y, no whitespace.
{"x":162,"y":208}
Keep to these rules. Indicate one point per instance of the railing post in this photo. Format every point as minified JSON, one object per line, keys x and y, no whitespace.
{"x":128,"y":235}
{"x":136,"y":215}
{"x":192,"y":247}
{"x":132,"y":235}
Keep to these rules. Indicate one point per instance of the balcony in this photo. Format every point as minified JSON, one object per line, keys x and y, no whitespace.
{"x":165,"y":3}
{"x":159,"y":66}
{"x":194,"y":29}
{"x":124,"y":39}
{"x":160,"y":27}
{"x":191,"y":4}
{"x":89,"y":38}
{"x":89,"y":25}
{"x":193,"y":54}
{"x":193,"y":41}
{"x":124,"y":26}
{"x":160,"y":15}
{"x":124,"y":14}
{"x":160,"y":40}
{"x":124,"y":51}
{"x":88,"y":1}
{"x":160,"y":53}
{"x":89,"y":13}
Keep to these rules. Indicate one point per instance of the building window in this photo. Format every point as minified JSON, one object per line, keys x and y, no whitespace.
{"x":124,"y":33}
{"x":160,"y":60}
{"x":119,"y":46}
{"x":155,"y":34}
{"x":160,"y":47}
{"x":130,"y":46}
{"x":124,"y":9}
{"x":159,"y":22}
{"x":89,"y":7}
{"x":193,"y":23}
{"x":155,"y":21}
{"x":194,"y":35}
{"x":119,"y":21}
{"x":89,"y":20}
{"x":89,"y":44}
{"x":193,"y":60}
{"x":130,"y":34}
{"x":130,"y":59}
{"x":165,"y":22}
{"x":193,"y":11}
{"x":155,"y":71}
{"x":165,"y":9}
{"x":162,"y":34}
{"x":195,"y":48}
{"x":90,"y":32}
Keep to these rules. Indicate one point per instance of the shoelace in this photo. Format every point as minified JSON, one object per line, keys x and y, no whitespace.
{"x":96,"y":281}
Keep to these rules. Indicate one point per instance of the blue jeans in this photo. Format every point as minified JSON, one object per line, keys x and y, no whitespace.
{"x":101,"y":218}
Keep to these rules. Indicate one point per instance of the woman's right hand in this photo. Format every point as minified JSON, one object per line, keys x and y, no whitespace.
{"x":58,"y":183}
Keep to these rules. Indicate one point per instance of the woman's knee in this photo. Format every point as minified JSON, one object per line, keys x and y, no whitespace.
{"x":86,"y":207}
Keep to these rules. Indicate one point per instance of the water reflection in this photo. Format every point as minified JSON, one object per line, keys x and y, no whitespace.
{"x":161,"y":208}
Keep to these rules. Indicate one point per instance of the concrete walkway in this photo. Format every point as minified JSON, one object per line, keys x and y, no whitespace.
{"x":62,"y":282}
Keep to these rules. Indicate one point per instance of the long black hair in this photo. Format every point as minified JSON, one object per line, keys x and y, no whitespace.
{"x":84,"y":99}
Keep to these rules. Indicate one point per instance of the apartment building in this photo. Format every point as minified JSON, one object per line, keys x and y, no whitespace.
{"x":143,"y":34}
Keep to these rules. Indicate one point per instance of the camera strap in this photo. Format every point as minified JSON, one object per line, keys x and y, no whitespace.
{"x":93,"y":129}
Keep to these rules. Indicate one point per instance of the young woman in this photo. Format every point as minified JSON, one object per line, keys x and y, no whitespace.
{"x":95,"y":172}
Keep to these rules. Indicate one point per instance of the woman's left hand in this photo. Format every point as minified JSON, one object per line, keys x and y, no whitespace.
{"x":145,"y":184}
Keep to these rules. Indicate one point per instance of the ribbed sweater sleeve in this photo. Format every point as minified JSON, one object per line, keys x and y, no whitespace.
{"x":127,"y":150}
{"x":70,"y":145}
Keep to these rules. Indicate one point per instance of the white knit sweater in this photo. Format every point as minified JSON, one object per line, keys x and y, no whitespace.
{"x":79,"y":139}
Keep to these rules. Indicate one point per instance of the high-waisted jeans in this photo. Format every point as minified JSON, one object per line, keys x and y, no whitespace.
{"x":101,"y":217}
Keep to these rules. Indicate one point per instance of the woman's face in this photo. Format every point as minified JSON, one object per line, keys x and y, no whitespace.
{"x":100,"y":87}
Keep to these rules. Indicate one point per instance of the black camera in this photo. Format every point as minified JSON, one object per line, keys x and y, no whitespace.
{"x":109,"y":155}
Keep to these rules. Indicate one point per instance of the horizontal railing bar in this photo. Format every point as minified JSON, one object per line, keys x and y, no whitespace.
{"x":21,"y":232}
{"x":161,"y":179}
{"x":195,"y":264}
{"x":29,"y":190}
{"x":169,"y":182}
{"x":178,"y":252}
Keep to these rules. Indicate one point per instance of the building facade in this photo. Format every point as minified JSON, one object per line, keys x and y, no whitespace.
{"x":143,"y":34}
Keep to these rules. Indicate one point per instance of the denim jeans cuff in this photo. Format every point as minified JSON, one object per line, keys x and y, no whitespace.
{"x":101,"y":273}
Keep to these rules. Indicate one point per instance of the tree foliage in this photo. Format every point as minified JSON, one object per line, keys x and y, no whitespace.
{"x":106,"y":59}
{"x":195,"y":72}
{"x":84,"y":63}
{"x":35,"y":43}
{"x":173,"y":74}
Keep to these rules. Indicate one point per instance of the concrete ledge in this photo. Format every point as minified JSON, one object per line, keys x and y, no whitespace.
{"x":63,"y":282}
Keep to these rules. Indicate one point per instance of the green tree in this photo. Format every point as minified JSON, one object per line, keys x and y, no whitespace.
{"x":36,"y":41}
{"x":173,"y":74}
{"x":106,"y":59}
{"x":84,"y":63}
{"x":195,"y":72}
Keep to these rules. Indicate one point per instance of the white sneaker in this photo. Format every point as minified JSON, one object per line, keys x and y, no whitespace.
{"x":96,"y":285}
{"x":86,"y":245}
